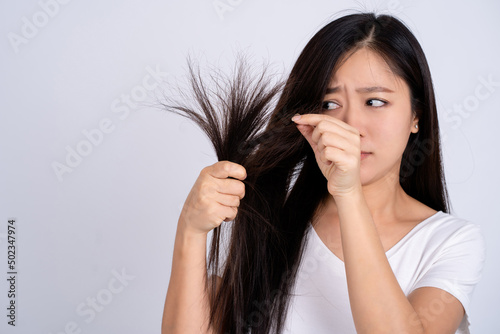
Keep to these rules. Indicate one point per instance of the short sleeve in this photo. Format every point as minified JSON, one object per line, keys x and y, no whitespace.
{"x":226,"y":228}
{"x":457,"y":267}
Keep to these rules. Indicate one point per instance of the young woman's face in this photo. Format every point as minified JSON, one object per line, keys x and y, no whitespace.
{"x":367,"y":95}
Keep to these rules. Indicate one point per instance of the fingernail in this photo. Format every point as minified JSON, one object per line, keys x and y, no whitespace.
{"x":296,"y":117}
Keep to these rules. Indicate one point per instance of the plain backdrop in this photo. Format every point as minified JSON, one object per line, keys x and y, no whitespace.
{"x":96,"y":178}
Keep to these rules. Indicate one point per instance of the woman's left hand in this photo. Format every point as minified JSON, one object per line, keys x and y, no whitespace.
{"x":336,"y":146}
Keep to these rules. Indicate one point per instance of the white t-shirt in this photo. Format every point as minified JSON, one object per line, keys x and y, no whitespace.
{"x":442,"y":251}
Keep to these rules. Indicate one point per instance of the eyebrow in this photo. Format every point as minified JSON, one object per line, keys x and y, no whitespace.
{"x":362,"y":90}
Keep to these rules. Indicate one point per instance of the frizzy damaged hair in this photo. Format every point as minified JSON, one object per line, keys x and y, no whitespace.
{"x":248,"y":120}
{"x":237,"y":115}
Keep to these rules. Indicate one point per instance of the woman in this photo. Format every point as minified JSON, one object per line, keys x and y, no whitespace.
{"x":338,"y":220}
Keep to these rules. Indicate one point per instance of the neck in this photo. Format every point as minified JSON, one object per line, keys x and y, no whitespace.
{"x":384,"y":198}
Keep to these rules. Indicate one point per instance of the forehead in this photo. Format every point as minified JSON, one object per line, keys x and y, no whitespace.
{"x":366,"y":68}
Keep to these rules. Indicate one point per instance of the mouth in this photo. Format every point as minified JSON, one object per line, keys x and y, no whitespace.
{"x":365,"y":155}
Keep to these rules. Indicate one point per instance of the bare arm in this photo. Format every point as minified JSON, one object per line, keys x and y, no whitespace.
{"x":186,"y":305}
{"x":378,"y":304}
{"x":213,"y":199}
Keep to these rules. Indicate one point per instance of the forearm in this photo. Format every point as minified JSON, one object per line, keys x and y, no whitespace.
{"x":378,"y":304}
{"x":186,"y":305}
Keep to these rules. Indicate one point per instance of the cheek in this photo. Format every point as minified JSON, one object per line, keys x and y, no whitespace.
{"x":391,"y":135}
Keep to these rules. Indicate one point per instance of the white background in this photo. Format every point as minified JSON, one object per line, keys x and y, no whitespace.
{"x":117,"y":210}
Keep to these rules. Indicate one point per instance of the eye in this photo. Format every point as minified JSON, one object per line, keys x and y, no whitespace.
{"x":330,"y":105}
{"x":375,"y":103}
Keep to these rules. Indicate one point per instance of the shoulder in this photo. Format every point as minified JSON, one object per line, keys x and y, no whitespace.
{"x":451,"y":244}
{"x":447,"y":228}
{"x":452,"y":257}
{"x":443,"y":237}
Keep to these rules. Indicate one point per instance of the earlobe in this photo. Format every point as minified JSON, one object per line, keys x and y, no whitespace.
{"x":414,"y":128}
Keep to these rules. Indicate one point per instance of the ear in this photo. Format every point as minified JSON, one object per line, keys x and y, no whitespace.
{"x":414,"y":125}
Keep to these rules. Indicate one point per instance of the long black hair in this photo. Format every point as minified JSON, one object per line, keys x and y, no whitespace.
{"x":247,"y":119}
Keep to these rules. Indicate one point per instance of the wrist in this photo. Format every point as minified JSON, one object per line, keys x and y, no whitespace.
{"x":351,"y":199}
{"x":352,"y":193}
{"x":185,"y":230}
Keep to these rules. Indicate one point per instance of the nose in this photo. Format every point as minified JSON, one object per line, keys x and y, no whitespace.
{"x":352,"y":116}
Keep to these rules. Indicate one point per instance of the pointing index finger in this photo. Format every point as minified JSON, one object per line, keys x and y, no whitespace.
{"x":314,"y":119}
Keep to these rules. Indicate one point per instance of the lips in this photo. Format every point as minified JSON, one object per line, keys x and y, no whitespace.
{"x":365,"y":155}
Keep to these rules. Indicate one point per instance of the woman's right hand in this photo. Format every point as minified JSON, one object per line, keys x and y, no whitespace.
{"x":214,"y":197}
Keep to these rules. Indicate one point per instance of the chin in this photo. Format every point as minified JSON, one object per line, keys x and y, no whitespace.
{"x":366,"y":177}
{"x":369,"y":177}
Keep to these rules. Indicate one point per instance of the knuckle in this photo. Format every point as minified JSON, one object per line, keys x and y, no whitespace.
{"x":226,"y":166}
{"x":213,"y":212}
{"x":202,"y":203}
{"x":243,"y":171}
{"x":202,"y":189}
{"x":241,"y":189}
{"x":323,"y":156}
{"x":321,"y":126}
{"x":207,"y":188}
{"x":221,"y":162}
{"x":204,"y":176}
{"x":205,"y":170}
